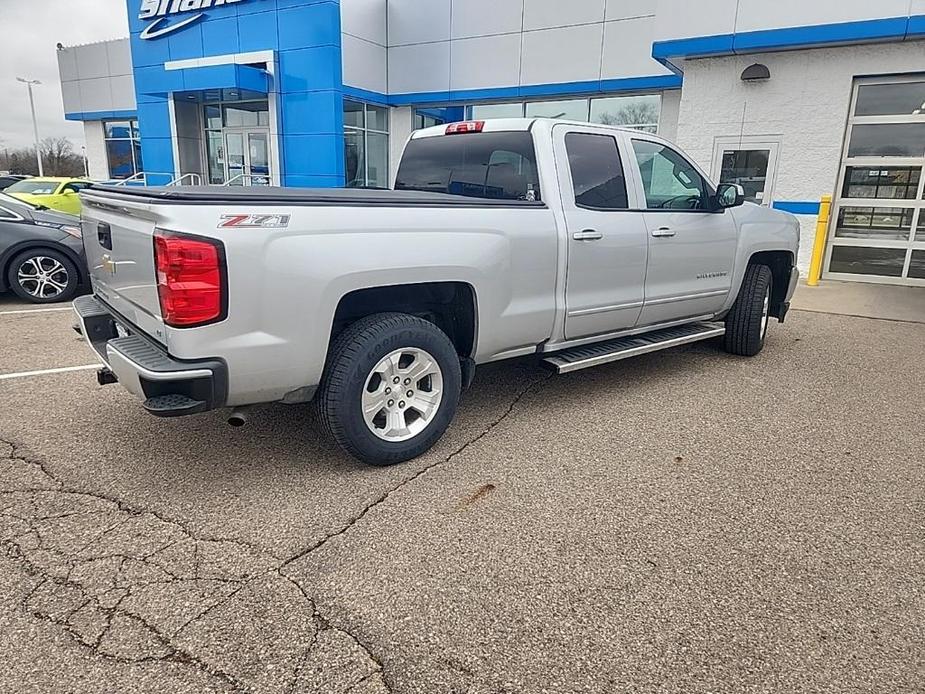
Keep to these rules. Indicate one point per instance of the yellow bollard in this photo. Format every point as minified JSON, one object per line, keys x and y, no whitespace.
{"x":822,"y":228}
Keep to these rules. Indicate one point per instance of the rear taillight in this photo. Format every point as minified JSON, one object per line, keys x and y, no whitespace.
{"x":190,"y":279}
{"x":469,"y":126}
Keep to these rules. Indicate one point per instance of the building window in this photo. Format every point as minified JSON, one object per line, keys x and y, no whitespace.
{"x":639,"y":112}
{"x":438,"y":115}
{"x":488,"y":111}
{"x":123,"y":148}
{"x":366,"y":145}
{"x":422,"y":120}
{"x":567,"y":109}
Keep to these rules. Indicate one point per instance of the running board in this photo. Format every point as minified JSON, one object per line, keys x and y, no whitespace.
{"x":632,"y":346}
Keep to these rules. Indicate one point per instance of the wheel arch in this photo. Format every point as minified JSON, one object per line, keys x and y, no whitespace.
{"x":452,"y":306}
{"x":781,"y":266}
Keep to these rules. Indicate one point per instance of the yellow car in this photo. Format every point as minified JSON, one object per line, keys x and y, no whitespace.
{"x":54,"y":193}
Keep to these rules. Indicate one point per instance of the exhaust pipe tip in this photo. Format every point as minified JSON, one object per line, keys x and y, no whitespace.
{"x":238,"y":418}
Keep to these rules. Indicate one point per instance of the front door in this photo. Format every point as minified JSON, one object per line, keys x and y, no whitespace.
{"x":247,"y":158}
{"x":750,"y":162}
{"x":607,"y":243}
{"x":691,"y":249}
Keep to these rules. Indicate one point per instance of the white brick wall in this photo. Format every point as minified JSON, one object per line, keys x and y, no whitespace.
{"x":805,"y":104}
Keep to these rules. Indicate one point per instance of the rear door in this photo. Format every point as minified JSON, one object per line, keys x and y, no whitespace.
{"x":118,"y":241}
{"x":691,"y":247}
{"x":607,"y":244}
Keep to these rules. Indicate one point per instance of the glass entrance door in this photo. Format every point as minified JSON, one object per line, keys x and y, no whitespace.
{"x":237,"y":139}
{"x":247,"y":157}
{"x":258,"y":158}
{"x":235,"y":161}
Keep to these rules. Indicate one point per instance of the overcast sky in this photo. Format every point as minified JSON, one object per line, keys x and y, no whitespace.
{"x":29,"y":31}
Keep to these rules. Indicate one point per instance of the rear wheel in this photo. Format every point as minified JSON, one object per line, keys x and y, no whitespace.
{"x":747,"y":322}
{"x":391,"y":388}
{"x":43,"y":276}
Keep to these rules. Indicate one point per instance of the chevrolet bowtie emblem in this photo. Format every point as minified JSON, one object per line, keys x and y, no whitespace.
{"x":109,"y":264}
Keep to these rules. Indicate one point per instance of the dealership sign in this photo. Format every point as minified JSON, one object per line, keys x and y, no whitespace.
{"x":159,"y":13}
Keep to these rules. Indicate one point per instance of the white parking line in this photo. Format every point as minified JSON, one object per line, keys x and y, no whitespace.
{"x":34,"y":310}
{"x":45,"y":372}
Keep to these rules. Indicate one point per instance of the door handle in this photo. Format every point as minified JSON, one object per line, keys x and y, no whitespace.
{"x":587,"y":235}
{"x":662,"y":232}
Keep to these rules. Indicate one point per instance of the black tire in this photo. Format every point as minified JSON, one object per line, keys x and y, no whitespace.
{"x":744,"y":332}
{"x":351,"y":360}
{"x":67,"y":276}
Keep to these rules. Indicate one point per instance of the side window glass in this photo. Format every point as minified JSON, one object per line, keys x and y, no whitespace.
{"x":597,"y":172}
{"x":668,"y":179}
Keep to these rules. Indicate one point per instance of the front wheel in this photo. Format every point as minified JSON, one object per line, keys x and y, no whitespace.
{"x":43,"y":276}
{"x":391,"y":388}
{"x":747,"y":322}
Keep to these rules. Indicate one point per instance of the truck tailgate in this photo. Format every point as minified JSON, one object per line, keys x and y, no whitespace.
{"x":118,"y":241}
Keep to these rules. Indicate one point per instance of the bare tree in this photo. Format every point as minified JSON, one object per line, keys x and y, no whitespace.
{"x":58,"y":158}
{"x":19,"y":161}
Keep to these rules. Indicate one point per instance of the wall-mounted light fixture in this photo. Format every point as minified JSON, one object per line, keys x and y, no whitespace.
{"x":756,"y":73}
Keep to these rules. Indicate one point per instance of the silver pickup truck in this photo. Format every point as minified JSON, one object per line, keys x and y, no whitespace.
{"x":581,"y":244}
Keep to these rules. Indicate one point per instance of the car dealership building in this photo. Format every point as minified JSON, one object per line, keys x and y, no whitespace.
{"x":793,"y":100}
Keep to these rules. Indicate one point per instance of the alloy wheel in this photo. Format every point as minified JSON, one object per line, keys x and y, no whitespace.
{"x":42,"y":277}
{"x":402,"y":394}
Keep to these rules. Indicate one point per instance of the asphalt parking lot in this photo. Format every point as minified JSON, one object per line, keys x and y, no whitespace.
{"x":682,"y":522}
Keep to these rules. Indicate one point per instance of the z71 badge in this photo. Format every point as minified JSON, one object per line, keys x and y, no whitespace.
{"x":254,"y":221}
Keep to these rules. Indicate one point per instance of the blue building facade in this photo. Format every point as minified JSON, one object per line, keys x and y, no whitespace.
{"x":285,"y":54}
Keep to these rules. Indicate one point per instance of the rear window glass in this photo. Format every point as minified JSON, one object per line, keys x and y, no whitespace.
{"x":497,"y":166}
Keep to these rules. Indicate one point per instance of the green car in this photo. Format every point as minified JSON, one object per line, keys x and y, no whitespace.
{"x":54,"y":193}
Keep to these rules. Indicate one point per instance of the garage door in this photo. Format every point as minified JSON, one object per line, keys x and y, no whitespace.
{"x":879,"y":222}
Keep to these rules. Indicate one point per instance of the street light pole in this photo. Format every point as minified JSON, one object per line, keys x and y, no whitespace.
{"x":35,"y":123}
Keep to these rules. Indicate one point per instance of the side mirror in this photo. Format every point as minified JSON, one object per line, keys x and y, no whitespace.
{"x":729,"y":195}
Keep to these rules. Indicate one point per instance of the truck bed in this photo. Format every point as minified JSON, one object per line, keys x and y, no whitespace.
{"x":270,"y":195}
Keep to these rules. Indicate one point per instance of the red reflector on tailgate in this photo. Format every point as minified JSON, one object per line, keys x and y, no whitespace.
{"x":190,"y":279}
{"x":469,"y":126}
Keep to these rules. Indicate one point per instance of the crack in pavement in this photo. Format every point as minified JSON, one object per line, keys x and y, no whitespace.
{"x":382,"y":498}
{"x":145,"y":588}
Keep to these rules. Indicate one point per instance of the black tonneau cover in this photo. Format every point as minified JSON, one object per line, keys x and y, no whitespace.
{"x":269,"y":195}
